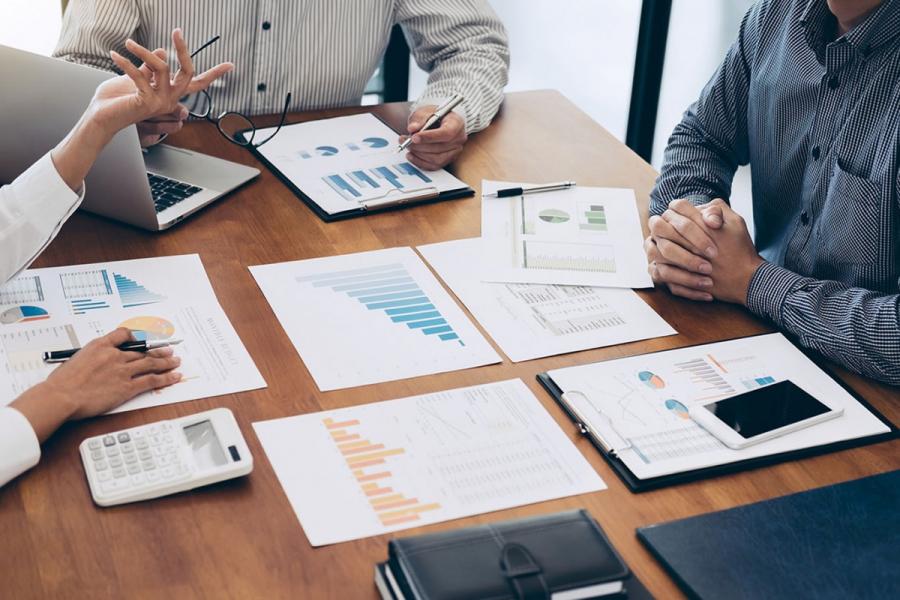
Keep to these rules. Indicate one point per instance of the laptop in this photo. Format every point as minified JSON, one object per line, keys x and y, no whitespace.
{"x":42,"y":98}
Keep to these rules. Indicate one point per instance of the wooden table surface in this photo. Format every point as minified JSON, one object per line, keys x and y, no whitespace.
{"x":241,"y":539}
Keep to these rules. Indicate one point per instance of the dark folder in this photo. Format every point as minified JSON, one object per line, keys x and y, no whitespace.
{"x":526,"y":558}
{"x":840,"y":541}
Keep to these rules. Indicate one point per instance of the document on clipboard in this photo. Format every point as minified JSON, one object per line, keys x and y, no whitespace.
{"x":636,"y":409}
{"x":349,"y":166}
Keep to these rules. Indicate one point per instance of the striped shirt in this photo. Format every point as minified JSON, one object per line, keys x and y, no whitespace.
{"x":322,"y":51}
{"x":817,"y":116}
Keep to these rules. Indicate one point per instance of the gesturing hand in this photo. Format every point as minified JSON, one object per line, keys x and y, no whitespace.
{"x":438,"y":147}
{"x":149,"y":94}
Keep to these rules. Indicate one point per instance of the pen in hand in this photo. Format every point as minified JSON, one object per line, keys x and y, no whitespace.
{"x":58,"y":356}
{"x":435,"y":119}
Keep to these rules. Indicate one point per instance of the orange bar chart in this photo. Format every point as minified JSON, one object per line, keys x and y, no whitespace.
{"x":361,"y":455}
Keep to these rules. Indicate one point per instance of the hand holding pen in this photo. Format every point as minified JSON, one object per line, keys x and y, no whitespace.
{"x":436,"y":135}
{"x":58,"y":356}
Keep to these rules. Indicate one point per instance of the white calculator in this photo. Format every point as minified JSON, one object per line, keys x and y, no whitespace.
{"x":165,"y":458}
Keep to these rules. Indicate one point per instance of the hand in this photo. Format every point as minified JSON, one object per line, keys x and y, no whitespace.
{"x":738,"y":259}
{"x":438,"y":147}
{"x":97,"y":379}
{"x":680,"y":247}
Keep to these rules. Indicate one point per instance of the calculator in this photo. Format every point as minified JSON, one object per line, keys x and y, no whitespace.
{"x":165,"y":458}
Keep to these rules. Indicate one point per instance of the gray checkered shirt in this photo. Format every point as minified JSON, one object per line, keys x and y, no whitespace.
{"x":817,"y":116}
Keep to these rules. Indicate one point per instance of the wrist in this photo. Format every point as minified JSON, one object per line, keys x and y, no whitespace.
{"x":752,"y":267}
{"x":46,"y":408}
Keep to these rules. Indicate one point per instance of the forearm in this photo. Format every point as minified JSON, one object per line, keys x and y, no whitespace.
{"x":74,"y":156}
{"x":45,"y":407}
{"x":856,"y":327}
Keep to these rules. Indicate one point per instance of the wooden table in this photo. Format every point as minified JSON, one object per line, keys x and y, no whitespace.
{"x":241,"y":539}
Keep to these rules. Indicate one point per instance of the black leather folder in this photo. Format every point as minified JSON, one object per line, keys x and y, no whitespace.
{"x":522,"y":559}
{"x":840,"y":541}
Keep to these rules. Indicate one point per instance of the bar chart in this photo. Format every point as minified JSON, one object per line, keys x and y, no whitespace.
{"x":133,"y":293}
{"x":86,"y":284}
{"x":22,"y":290}
{"x":563,"y":256}
{"x":391,"y":290}
{"x":375,"y":182}
{"x":706,"y":376}
{"x":369,"y":464}
{"x":592,"y":218}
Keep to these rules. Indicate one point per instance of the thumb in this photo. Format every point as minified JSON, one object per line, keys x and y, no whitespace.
{"x":417,"y":119}
{"x":714,"y":214}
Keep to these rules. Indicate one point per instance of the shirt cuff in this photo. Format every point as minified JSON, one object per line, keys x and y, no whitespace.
{"x":768,"y":291}
{"x":51,"y":195}
{"x":19,"y":446}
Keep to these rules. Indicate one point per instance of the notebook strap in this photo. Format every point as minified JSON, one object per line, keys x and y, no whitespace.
{"x":523,"y":573}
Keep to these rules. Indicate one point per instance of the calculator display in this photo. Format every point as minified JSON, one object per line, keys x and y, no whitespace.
{"x":205,"y":443}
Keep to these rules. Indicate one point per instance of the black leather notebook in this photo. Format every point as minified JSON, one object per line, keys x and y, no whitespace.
{"x":563,"y":555}
{"x":840,"y":541}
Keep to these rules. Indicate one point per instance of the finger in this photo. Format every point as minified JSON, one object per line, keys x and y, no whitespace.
{"x":179,"y":114}
{"x":118,"y":337}
{"x":185,"y":64}
{"x":204,"y":79}
{"x":148,"y":128}
{"x":436,"y":148}
{"x":690,"y":294}
{"x":161,"y":352}
{"x":151,"y":364}
{"x":671,"y":274}
{"x":140,"y":79}
{"x":449,"y":130}
{"x":417,"y":118}
{"x":157,"y":65}
{"x":154,"y":381}
{"x":158,"y":52}
{"x":431,"y":162}
{"x":661,"y":229}
{"x":714,"y":214}
{"x":150,"y":140}
{"x":674,"y":254}
{"x":691,"y":232}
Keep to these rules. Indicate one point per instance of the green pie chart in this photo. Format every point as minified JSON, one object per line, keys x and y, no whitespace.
{"x":553,"y":215}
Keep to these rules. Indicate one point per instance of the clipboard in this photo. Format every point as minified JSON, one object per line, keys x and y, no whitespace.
{"x":636,"y":485}
{"x":427,"y":195}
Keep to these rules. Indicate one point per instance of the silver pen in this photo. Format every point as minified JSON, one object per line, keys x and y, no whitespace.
{"x":434,"y":120}
{"x":533,"y":189}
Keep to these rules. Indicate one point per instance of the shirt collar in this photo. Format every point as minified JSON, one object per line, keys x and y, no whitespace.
{"x":879,"y":27}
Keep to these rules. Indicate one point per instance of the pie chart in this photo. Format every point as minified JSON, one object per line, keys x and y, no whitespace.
{"x":327,"y":150}
{"x":150,"y":328}
{"x":23,"y":314}
{"x":652,"y":380}
{"x":376,"y":142}
{"x":553,"y":215}
{"x":678,"y":408}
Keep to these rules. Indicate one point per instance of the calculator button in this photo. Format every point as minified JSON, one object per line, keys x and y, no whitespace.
{"x":136,"y":433}
{"x":167,"y":438}
{"x":134,"y":469}
{"x":170,"y":448}
{"x":159,"y":451}
{"x":124,"y":437}
{"x":153,"y":430}
{"x":94,"y":444}
{"x":142,"y":444}
{"x":127,"y":448}
{"x":152,"y":476}
{"x":130,"y":459}
{"x":101,"y":465}
{"x":97,"y":454}
{"x":112,"y":451}
{"x":104,"y":476}
{"x":137,"y":480}
{"x":114,"y":485}
{"x":165,"y":427}
{"x":119,"y":473}
{"x":156,"y":440}
{"x":145,"y":455}
{"x":115,"y":462}
{"x":148,"y":465}
{"x":109,"y":441}
{"x":168,"y":473}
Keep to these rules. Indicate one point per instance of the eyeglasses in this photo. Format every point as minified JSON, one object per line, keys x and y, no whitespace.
{"x":234,"y":126}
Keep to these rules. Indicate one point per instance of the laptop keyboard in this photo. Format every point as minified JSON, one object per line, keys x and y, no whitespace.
{"x":169,"y":192}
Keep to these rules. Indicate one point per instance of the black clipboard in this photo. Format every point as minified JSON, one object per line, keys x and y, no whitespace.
{"x":637,"y":485}
{"x":428,"y":198}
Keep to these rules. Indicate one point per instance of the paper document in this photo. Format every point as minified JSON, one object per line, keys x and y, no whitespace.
{"x":345,"y":162}
{"x":159,"y":298}
{"x":370,"y":317}
{"x":532,"y":320}
{"x":376,"y":468}
{"x":639,"y":405}
{"x":578,"y":236}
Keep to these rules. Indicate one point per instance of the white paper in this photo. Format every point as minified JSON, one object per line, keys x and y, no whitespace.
{"x":365,"y":318}
{"x":165,"y":298}
{"x":344,"y":161}
{"x":377,"y":468}
{"x":579,"y":236}
{"x":532,"y":320}
{"x":643,"y":401}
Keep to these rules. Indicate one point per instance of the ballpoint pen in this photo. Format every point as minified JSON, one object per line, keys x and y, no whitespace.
{"x":58,"y":356}
{"x":533,"y":189}
{"x":435,"y":119}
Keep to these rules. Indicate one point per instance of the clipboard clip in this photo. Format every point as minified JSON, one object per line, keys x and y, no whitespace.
{"x":387,"y":199}
{"x":585,"y":429}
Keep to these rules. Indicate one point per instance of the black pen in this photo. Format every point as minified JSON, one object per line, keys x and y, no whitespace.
{"x":532,"y":189}
{"x":58,"y":356}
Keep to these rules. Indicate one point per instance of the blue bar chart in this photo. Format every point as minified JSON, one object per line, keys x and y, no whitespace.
{"x":389,"y":289}
{"x":378,"y":181}
{"x":134,"y":294}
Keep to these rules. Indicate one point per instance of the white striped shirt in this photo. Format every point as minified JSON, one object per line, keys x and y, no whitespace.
{"x":322,"y":51}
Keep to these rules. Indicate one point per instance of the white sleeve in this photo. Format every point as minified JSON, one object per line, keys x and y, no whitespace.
{"x":32,"y":210}
{"x":19,"y":447}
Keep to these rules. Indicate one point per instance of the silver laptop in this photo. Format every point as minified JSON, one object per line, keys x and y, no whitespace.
{"x":42,"y":98}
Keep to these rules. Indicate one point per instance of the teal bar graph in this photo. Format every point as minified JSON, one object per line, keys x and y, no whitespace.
{"x":134,"y":294}
{"x":390,"y":289}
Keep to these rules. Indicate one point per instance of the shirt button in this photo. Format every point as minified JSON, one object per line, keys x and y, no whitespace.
{"x":261,"y":87}
{"x":816,"y":152}
{"x":266,"y":26}
{"x":804,"y":218}
{"x":834,"y":82}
